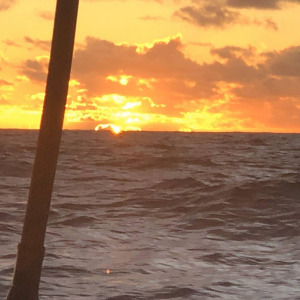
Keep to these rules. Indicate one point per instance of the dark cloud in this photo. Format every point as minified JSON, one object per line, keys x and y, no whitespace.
{"x":269,"y":24}
{"x":158,"y":1}
{"x":37,"y":43}
{"x":210,"y":15}
{"x":281,"y":76}
{"x":260,"y":4}
{"x":269,"y":88}
{"x":218,"y":15}
{"x":285,"y":62}
{"x":35,"y":70}
{"x":233,"y":51}
{"x":238,"y":71}
{"x":6,"y":4}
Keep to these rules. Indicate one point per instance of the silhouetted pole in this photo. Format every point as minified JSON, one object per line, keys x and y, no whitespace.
{"x":31,"y":248}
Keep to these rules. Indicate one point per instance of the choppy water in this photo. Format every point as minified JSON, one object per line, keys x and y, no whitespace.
{"x":172,"y":215}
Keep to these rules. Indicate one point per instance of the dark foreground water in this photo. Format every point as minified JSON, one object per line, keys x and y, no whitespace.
{"x":172,"y":215}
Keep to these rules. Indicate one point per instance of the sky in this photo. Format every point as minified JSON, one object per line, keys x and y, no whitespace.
{"x":178,"y":65}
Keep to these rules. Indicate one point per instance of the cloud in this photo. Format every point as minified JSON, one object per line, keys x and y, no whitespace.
{"x":6,"y":4}
{"x":159,"y":1}
{"x":11,"y":43}
{"x":199,"y":44}
{"x":280,"y":77}
{"x":269,"y":24}
{"x":162,"y":67}
{"x":156,"y":81}
{"x":210,"y":15}
{"x":5,"y":82}
{"x":259,"y":4}
{"x":151,"y":18}
{"x":233,"y":51}
{"x":46,"y":15}
{"x":37,"y":43}
{"x":161,"y":72}
{"x":285,"y":62}
{"x":280,"y":80}
{"x":173,"y":84}
{"x":167,"y":83}
{"x":35,"y":70}
{"x":173,"y":76}
{"x":218,"y":15}
{"x":3,"y":101}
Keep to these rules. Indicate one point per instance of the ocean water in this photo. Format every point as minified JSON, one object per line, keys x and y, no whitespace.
{"x":171,"y":215}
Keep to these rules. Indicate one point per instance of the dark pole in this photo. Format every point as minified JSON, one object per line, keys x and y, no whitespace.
{"x":31,"y":248}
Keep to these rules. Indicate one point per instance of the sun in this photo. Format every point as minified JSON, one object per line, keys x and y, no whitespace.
{"x":113,"y":128}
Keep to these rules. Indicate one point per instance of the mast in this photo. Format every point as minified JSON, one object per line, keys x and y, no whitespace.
{"x":31,"y":248}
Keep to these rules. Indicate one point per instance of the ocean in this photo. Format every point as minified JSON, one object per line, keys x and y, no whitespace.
{"x":160,"y":215}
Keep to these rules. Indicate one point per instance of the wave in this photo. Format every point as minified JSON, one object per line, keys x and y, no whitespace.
{"x":178,"y":216}
{"x":75,"y":221}
{"x":168,"y":292}
{"x":179,"y":183}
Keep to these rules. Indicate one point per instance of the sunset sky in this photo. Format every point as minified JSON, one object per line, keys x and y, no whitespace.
{"x":187,"y":65}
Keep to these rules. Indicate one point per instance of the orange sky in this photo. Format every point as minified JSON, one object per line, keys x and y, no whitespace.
{"x":190,"y":65}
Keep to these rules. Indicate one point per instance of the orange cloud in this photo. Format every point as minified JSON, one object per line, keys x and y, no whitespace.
{"x":156,"y":85}
{"x":160,"y":84}
{"x":6,"y":4}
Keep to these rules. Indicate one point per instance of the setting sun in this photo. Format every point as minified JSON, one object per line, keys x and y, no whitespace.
{"x":113,"y":128}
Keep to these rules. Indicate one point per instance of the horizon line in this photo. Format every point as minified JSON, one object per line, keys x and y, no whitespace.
{"x":156,"y":131}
